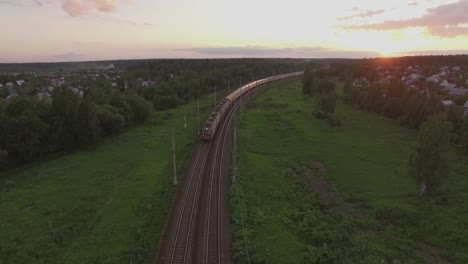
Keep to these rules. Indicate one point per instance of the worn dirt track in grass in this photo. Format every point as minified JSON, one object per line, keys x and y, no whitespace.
{"x":430,"y":254}
{"x":320,"y":185}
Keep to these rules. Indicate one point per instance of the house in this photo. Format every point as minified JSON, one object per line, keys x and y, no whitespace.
{"x":434,"y":78}
{"x":9,"y":84}
{"x":447,"y":85}
{"x":20,"y":82}
{"x":361,"y":82}
{"x":1,"y":85}
{"x":457,"y":91}
{"x":456,"y":68}
{"x":114,"y":84}
{"x":12,"y":96}
{"x":447,"y":102}
{"x":43,"y":96}
{"x":414,"y":76}
{"x":466,"y":107}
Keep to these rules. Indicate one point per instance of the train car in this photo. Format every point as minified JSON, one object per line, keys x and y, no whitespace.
{"x":211,"y":125}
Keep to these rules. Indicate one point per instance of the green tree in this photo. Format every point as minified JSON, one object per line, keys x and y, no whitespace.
{"x":110,"y":120}
{"x":88,"y":123}
{"x":63,"y":134}
{"x":141,"y":108}
{"x":455,"y":117}
{"x":426,"y":161}
{"x":118,"y":101}
{"x":308,"y":81}
{"x":464,"y":134}
{"x":327,"y":103}
{"x":3,"y":159}
{"x":23,"y":131}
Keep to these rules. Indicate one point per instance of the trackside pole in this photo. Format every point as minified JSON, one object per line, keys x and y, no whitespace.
{"x":234,"y":165}
{"x":198,"y":114}
{"x":174,"y":167}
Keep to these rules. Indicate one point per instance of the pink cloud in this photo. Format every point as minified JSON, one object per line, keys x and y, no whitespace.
{"x":86,"y":7}
{"x":445,"y":20}
{"x":365,"y":14}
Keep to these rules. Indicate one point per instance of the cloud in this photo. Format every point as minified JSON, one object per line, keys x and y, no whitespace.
{"x":68,"y":56}
{"x":259,"y":51}
{"x":365,"y":14}
{"x":445,"y":20}
{"x":86,"y":7}
{"x":435,"y":52}
{"x":24,"y":3}
{"x":413,"y":4}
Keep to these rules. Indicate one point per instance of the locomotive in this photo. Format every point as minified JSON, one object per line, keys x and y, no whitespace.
{"x":209,"y":128}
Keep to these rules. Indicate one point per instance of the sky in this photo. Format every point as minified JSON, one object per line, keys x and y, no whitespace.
{"x":83,"y":30}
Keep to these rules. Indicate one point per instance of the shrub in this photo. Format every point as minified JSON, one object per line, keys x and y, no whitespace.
{"x":333,"y":121}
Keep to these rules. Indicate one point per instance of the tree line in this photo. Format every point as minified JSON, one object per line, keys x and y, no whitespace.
{"x":31,"y":128}
{"x":176,"y":82}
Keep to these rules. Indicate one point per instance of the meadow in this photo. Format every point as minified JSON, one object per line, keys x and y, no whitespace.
{"x":306,"y":192}
{"x":104,"y":204}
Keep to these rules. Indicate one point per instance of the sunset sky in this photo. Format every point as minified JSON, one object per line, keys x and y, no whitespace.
{"x":77,"y":30}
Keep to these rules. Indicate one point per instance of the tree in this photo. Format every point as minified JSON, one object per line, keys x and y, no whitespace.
{"x":118,"y":101}
{"x":426,"y":161}
{"x":3,"y":159}
{"x":110,"y":120}
{"x":140,"y":107}
{"x":308,"y":81}
{"x":464,"y":134}
{"x":63,"y":134}
{"x":88,"y":123}
{"x":327,"y":103}
{"x":455,"y":117}
{"x":24,"y":132}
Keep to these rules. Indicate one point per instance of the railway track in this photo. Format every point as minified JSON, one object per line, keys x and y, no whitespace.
{"x":197,"y":233}
{"x":198,"y":230}
{"x":213,"y":250}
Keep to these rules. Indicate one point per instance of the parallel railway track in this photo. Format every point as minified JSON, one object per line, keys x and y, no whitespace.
{"x":199,"y":227}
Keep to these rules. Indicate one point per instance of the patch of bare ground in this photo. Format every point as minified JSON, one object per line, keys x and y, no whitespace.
{"x":430,"y":253}
{"x":316,"y":179}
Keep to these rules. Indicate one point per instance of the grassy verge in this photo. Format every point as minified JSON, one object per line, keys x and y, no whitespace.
{"x":378,"y":218}
{"x":106,"y":204}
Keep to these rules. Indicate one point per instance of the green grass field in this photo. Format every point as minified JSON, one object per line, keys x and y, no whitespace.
{"x":380,"y":217}
{"x":105,"y":204}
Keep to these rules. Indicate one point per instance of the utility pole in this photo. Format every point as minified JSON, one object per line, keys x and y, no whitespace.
{"x":215,"y":96}
{"x":234,"y":148}
{"x":198,"y":113}
{"x":174,"y":167}
{"x":185,"y":120}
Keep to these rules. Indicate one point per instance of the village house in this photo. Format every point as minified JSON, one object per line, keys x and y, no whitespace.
{"x":20,"y":82}
{"x":447,"y":102}
{"x":466,"y":108}
{"x":43,"y":96}
{"x":457,"y":91}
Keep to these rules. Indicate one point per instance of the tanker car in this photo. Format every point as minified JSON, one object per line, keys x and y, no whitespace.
{"x":209,"y":129}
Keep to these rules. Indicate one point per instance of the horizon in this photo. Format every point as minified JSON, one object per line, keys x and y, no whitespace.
{"x":48,"y":31}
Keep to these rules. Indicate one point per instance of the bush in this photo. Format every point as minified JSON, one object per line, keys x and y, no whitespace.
{"x":140,"y":107}
{"x":3,"y":159}
{"x":319,"y":115}
{"x":333,"y":121}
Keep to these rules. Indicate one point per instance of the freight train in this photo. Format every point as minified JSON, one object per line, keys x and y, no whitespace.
{"x":209,"y":129}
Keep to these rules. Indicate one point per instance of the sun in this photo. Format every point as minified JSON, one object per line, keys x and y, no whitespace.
{"x":387,"y":43}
